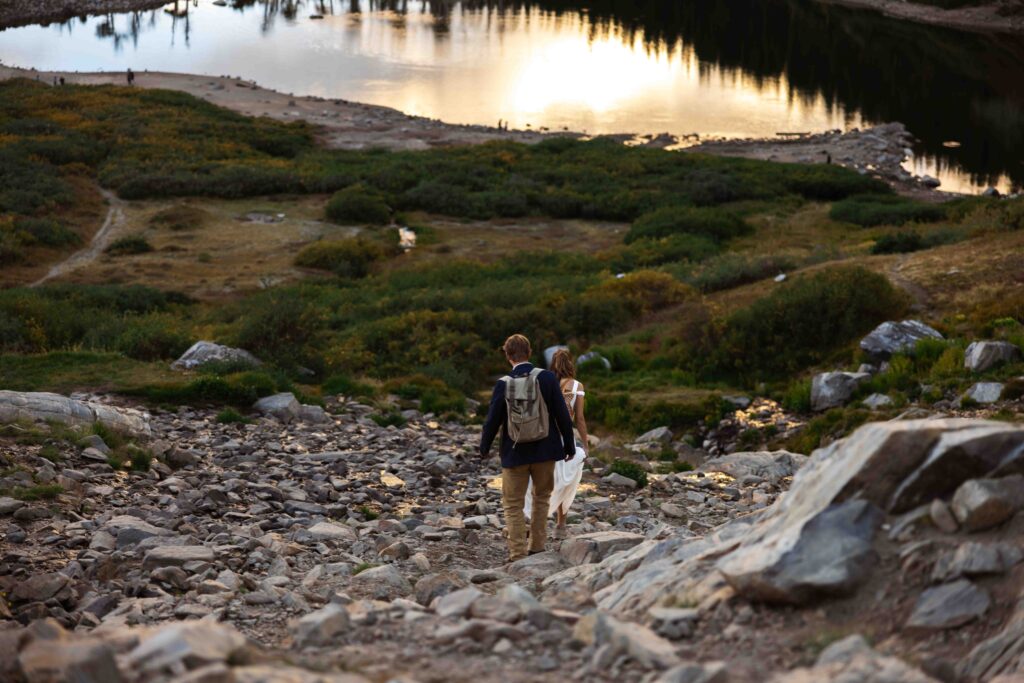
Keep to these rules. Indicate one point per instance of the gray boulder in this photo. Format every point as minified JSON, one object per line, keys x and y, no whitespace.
{"x":948,"y":606}
{"x":772,"y":466}
{"x":46,"y":407}
{"x":834,"y":389}
{"x":86,"y":660}
{"x":984,"y":355}
{"x":851,"y":660}
{"x":983,"y":503}
{"x":284,"y":407}
{"x":893,"y":337}
{"x":662,"y":435}
{"x":204,"y":352}
{"x":383,"y":580}
{"x":188,"y":645}
{"x":976,"y":559}
{"x":594,"y":356}
{"x":1002,"y":654}
{"x":177,"y":555}
{"x":984,"y":392}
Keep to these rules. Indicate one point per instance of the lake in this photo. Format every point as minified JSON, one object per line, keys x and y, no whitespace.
{"x":719,"y":68}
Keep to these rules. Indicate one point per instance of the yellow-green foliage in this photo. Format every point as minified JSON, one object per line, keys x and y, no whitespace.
{"x":347,"y":258}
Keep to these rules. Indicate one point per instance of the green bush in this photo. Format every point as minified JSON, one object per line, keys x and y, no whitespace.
{"x":732,"y":270}
{"x":356,"y":204}
{"x":797,"y":397}
{"x":876,"y":209}
{"x":828,"y":182}
{"x":231,"y":416}
{"x":631,"y":470}
{"x":391,"y":419}
{"x":135,"y":244}
{"x":280,"y":327}
{"x":179,"y":218}
{"x":907,"y":241}
{"x":433,"y":394}
{"x":351,"y":258}
{"x":346,"y":386}
{"x":713,"y":224}
{"x":46,"y":231}
{"x":799,"y":324}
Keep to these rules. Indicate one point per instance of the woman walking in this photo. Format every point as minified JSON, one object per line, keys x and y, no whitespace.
{"x":568,"y":473}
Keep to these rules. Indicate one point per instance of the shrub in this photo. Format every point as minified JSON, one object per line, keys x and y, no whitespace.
{"x":279,"y":327}
{"x":835,"y":424}
{"x":231,"y":416}
{"x":827,"y":183}
{"x":46,"y":231}
{"x":641,"y":292}
{"x":630,"y":470}
{"x":390,"y":419}
{"x":732,"y":270}
{"x":877,"y":209}
{"x":345,"y":385}
{"x":433,"y":394}
{"x":800,"y":323}
{"x":714,"y":224}
{"x":139,"y":459}
{"x":674,"y":248}
{"x":349,"y":258}
{"x":908,"y":241}
{"x":40,"y":492}
{"x":135,"y":244}
{"x":356,"y":204}
{"x":797,"y":397}
{"x":178,"y":218}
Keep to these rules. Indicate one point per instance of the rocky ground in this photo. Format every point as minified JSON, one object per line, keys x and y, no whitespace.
{"x":24,"y":12}
{"x":313,"y":545}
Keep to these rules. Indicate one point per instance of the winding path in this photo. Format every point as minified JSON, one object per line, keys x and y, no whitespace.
{"x":100,"y":241}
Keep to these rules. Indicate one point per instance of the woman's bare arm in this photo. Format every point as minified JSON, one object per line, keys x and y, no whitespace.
{"x":581,"y":424}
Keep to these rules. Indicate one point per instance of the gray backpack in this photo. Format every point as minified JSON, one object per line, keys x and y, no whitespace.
{"x":527,"y":409}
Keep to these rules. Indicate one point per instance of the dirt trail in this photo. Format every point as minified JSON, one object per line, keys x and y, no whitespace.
{"x":100,"y":241}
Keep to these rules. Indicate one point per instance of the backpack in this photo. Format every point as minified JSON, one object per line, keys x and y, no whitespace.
{"x":526,"y":407}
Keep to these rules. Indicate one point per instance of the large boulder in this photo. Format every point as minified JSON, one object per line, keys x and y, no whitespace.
{"x":834,"y":389}
{"x":45,"y":407}
{"x":891,"y":337}
{"x":984,"y":355}
{"x":284,"y":407}
{"x":204,"y":352}
{"x":851,"y":660}
{"x":815,"y":540}
{"x":549,"y":353}
{"x":595,"y":357}
{"x":980,"y":504}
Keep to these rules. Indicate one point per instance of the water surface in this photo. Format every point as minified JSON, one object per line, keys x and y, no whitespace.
{"x":719,"y":68}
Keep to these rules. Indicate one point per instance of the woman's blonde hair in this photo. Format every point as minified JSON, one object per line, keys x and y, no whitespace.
{"x":562,"y":365}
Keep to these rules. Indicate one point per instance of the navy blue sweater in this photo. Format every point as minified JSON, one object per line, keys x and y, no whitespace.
{"x":559,"y":442}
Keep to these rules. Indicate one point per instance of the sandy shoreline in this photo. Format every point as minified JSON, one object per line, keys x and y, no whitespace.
{"x":351,"y":125}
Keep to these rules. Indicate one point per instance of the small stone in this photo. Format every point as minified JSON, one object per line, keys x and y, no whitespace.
{"x":984,"y":393}
{"x":327,"y":531}
{"x":177,"y":555}
{"x":983,"y":503}
{"x":948,"y":606}
{"x":616,"y":479}
{"x":318,"y":628}
{"x":942,"y":517}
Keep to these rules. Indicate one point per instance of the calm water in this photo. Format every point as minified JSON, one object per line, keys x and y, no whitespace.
{"x":734,"y":68}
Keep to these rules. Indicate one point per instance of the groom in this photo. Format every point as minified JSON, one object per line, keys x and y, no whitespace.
{"x":521,"y":462}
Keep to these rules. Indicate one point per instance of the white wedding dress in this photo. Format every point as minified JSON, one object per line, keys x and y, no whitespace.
{"x":568,"y":473}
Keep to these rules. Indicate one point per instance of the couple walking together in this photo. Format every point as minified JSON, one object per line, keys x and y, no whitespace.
{"x":541,"y":453}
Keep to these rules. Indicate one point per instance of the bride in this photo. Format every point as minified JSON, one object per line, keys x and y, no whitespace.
{"x":568,"y":473}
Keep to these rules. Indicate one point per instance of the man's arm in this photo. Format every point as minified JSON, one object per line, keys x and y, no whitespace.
{"x":556,"y":405}
{"x":495,"y":418}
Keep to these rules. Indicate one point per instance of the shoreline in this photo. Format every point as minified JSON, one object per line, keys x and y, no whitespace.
{"x":342,"y":124}
{"x":981,"y":18}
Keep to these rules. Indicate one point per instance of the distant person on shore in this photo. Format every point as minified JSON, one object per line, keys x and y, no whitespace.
{"x":528,"y":408}
{"x":131,"y":77}
{"x":62,"y":80}
{"x":568,"y":473}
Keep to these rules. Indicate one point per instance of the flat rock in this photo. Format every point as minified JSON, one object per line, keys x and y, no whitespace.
{"x":877,"y":402}
{"x":618,"y":638}
{"x":46,"y":407}
{"x":662,"y":435}
{"x":851,"y":660}
{"x":190,"y":644}
{"x":319,"y":628}
{"x":948,"y":606}
{"x":976,"y":559}
{"x":88,"y":660}
{"x":328,"y":531}
{"x":385,"y":579}
{"x":596,"y":546}
{"x":177,"y":555}
{"x":8,"y":506}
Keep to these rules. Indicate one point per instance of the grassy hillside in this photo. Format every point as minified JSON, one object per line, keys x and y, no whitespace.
{"x":661,"y":261}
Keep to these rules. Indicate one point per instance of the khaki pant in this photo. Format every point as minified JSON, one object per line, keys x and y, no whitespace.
{"x":514,"y":481}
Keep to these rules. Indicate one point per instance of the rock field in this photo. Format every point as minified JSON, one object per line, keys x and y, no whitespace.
{"x":319,"y":546}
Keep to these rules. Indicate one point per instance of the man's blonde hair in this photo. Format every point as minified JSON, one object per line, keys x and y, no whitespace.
{"x":517,"y":348}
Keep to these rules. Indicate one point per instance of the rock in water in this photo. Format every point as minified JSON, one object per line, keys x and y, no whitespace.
{"x":204,"y":352}
{"x":893,"y":337}
{"x":834,"y":389}
{"x":948,"y":606}
{"x":984,"y":355}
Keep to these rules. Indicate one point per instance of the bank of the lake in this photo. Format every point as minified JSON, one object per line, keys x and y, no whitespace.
{"x":25,"y":12}
{"x":352,"y":125}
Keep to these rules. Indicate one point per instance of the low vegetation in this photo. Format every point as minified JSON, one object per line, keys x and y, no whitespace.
{"x":680,"y":301}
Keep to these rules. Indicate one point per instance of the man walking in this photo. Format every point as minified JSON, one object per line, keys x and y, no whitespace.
{"x":527,"y":406}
